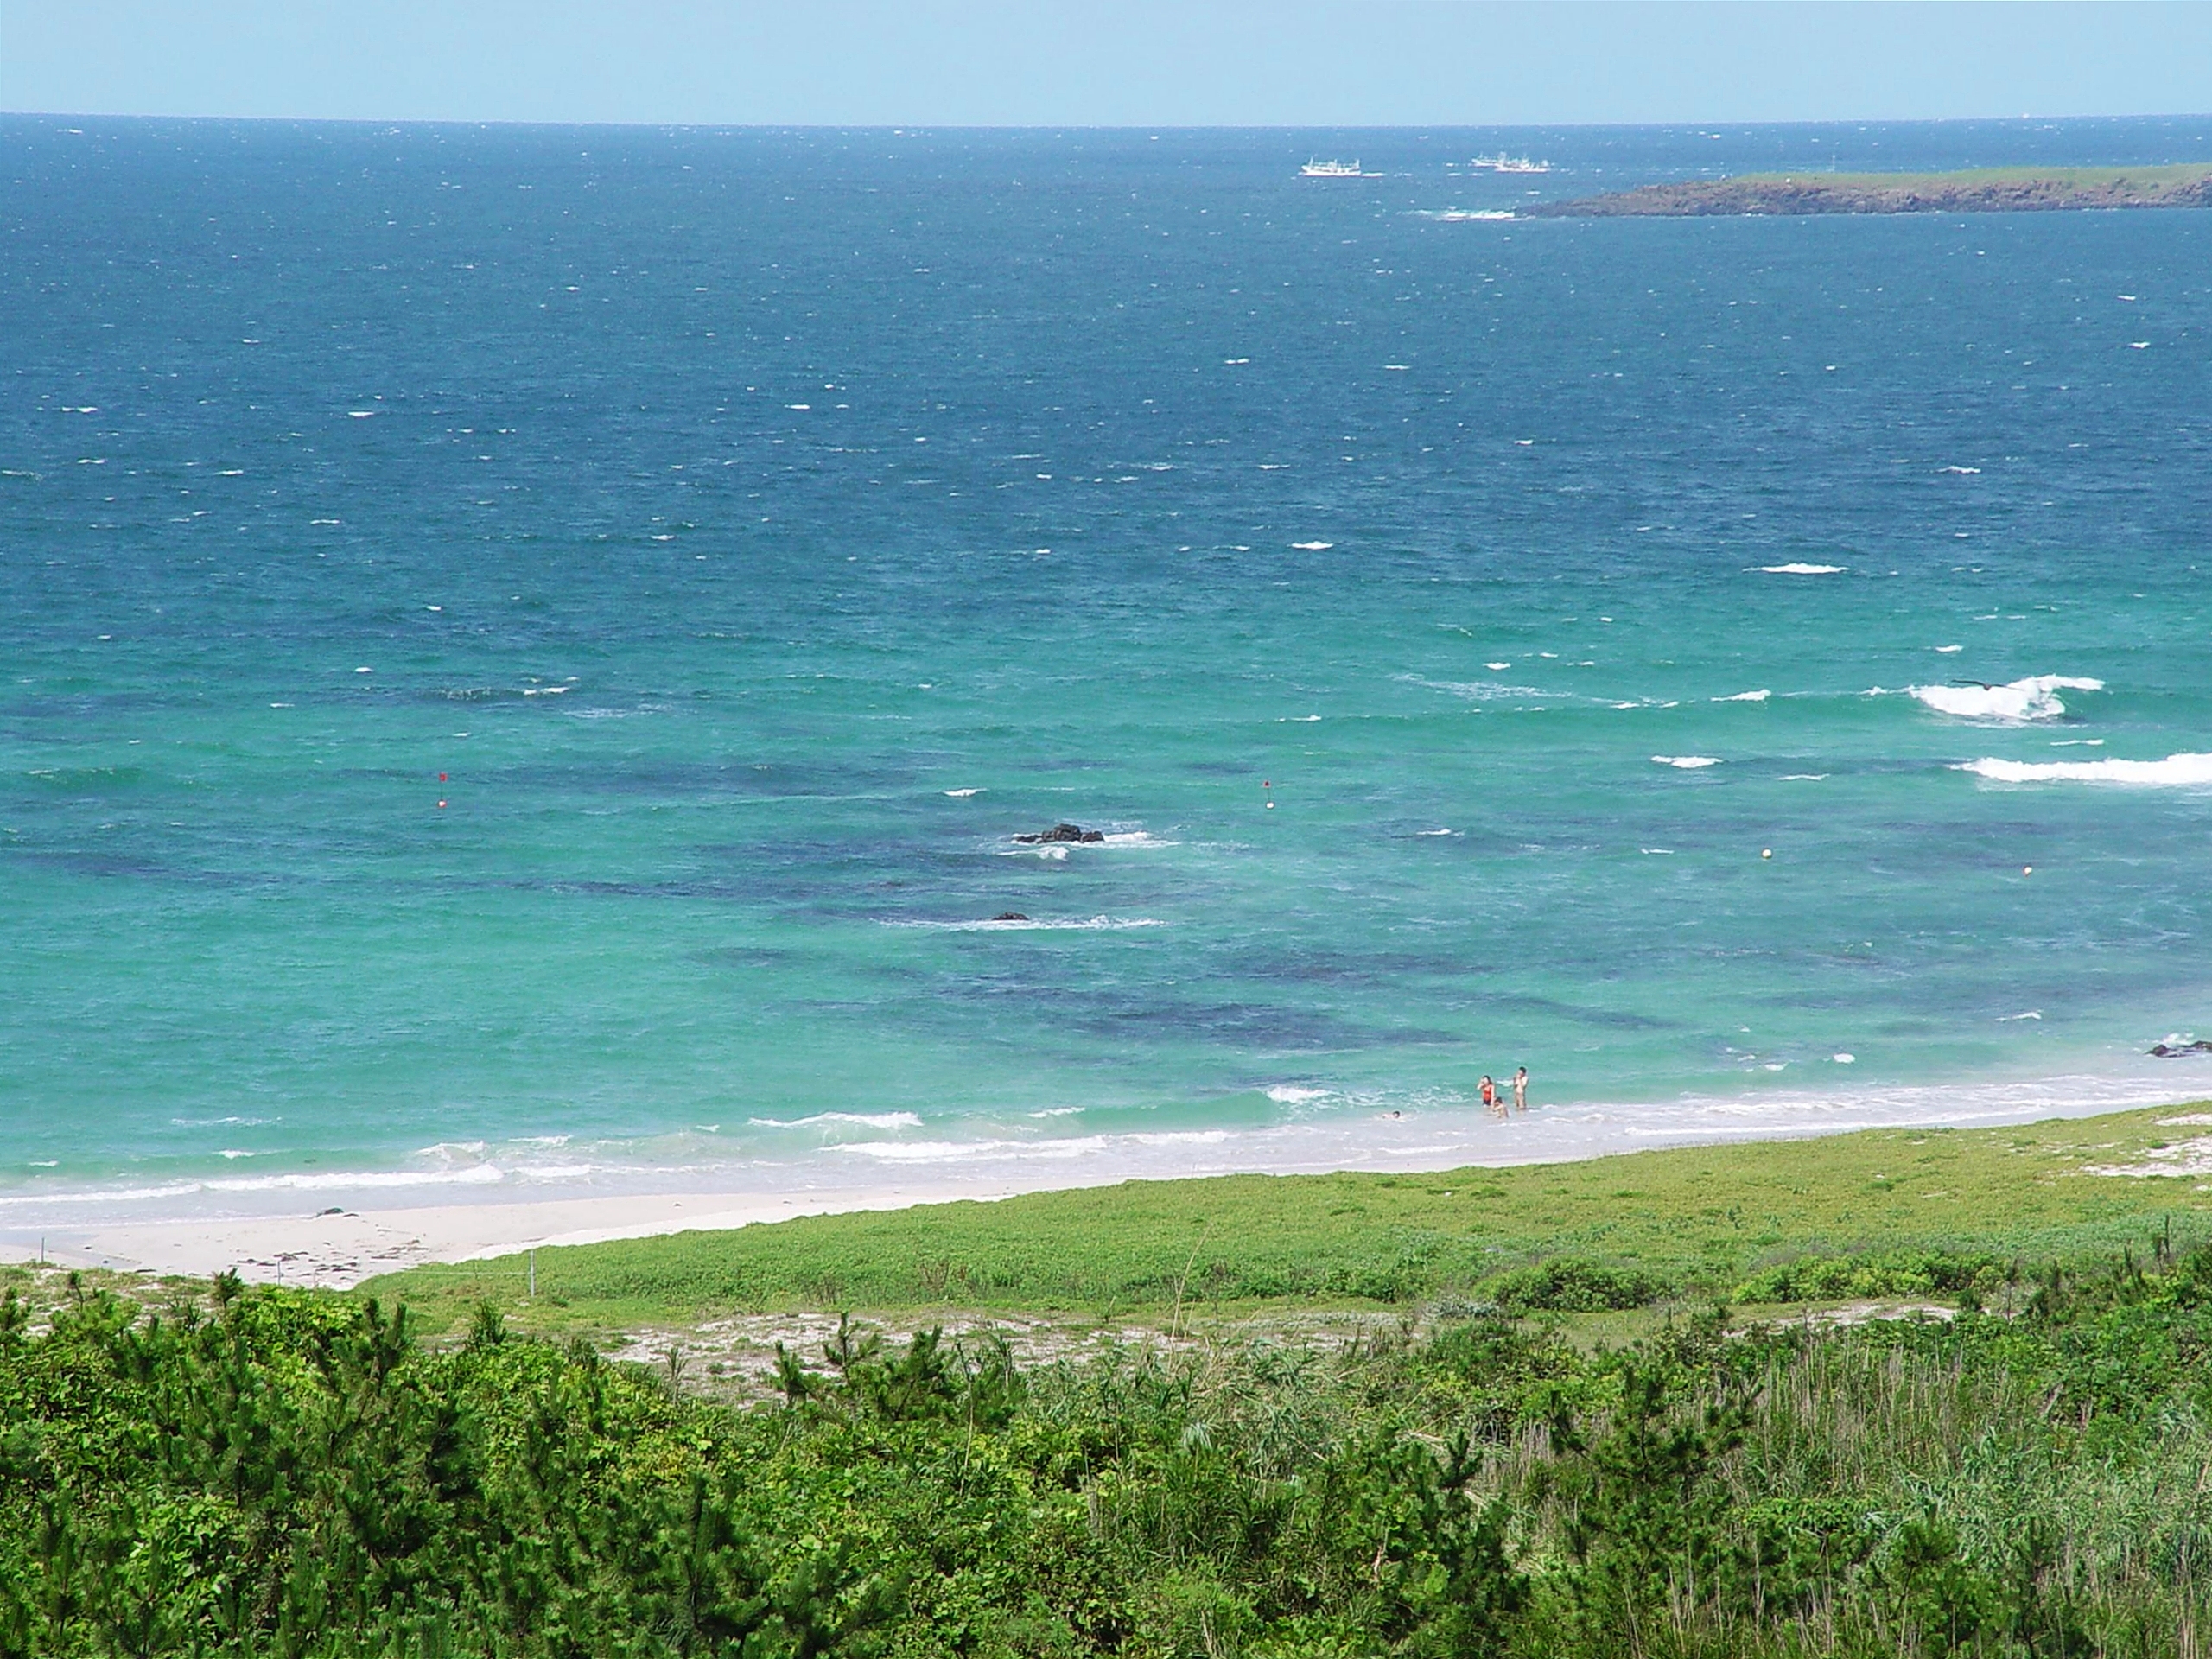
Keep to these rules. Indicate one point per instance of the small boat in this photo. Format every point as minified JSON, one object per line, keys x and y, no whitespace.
{"x":1316,"y":169}
{"x":1502,"y":163}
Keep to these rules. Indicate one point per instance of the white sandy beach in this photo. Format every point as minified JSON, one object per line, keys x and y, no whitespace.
{"x":336,"y":1251}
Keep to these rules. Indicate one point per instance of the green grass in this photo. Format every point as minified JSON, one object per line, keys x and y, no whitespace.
{"x":1722,"y":1221}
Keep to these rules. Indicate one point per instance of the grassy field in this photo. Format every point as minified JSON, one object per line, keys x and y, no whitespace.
{"x":1884,"y":1213}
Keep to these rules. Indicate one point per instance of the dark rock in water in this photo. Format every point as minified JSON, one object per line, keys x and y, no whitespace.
{"x":1009,"y":916}
{"x":2174,"y":1051}
{"x":1063,"y":832}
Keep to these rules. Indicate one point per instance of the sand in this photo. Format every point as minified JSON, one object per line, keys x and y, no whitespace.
{"x":337,"y":1251}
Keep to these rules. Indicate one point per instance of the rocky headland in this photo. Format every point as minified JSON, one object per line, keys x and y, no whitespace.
{"x":2003,"y":190}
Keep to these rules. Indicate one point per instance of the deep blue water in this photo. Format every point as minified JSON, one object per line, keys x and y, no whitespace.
{"x":522,"y":651}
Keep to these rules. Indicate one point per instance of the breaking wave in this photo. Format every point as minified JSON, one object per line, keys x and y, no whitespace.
{"x":2175,"y":771}
{"x":2033,"y":698}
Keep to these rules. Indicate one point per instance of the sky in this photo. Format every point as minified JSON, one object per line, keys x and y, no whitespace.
{"x":1310,"y":63}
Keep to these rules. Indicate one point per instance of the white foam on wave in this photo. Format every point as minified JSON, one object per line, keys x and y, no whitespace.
{"x":960,"y":1151}
{"x":1687,"y":762}
{"x":1477,"y":690}
{"x":2033,"y":698}
{"x":1134,"y":838}
{"x":1294,"y":1094}
{"x":1747,"y":696}
{"x":296,"y":1181}
{"x":2174,"y":772}
{"x":1039,"y":925}
{"x":1795,"y":568}
{"x":961,"y":794}
{"x":1312,"y":547}
{"x":865,"y":1120}
{"x":558,"y":1172}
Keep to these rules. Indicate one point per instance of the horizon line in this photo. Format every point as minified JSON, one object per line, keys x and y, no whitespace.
{"x":902,"y":127}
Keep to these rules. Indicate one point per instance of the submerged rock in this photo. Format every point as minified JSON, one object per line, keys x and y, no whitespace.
{"x":1063,"y":832}
{"x":2172,"y":1051}
{"x":1009,"y":916}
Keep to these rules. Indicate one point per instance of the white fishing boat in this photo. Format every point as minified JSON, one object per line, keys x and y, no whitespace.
{"x":1502,"y":163}
{"x":1318,"y":169}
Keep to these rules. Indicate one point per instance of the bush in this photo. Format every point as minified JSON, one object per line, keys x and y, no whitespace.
{"x":1906,"y":1272}
{"x":296,"y":1475}
{"x":1565,"y":1285}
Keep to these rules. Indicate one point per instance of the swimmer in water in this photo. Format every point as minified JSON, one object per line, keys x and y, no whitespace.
{"x":1521,"y":1089}
{"x":1489,"y":1093}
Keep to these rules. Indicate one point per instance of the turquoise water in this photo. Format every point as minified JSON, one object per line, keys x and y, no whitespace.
{"x":525,"y":651}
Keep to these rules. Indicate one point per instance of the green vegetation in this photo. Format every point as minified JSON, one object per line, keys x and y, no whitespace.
{"x":287,"y":1473}
{"x":1473,"y":1466}
{"x":1882,"y":1214}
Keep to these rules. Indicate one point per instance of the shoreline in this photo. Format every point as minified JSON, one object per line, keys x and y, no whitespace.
{"x":383,"y":1230}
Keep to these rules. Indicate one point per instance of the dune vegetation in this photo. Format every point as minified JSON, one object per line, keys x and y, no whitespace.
{"x":289,"y":1473}
{"x":1991,"y":1438}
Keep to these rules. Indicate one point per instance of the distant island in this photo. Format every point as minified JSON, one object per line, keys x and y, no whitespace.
{"x":1990,"y":190}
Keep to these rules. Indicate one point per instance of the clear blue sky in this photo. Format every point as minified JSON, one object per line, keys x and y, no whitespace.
{"x":1139,"y":62}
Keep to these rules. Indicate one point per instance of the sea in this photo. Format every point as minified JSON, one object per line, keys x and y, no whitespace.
{"x":527,"y":654}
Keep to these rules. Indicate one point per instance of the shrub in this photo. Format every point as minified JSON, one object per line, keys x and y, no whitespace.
{"x":1895,"y":1273}
{"x":1566,"y":1284}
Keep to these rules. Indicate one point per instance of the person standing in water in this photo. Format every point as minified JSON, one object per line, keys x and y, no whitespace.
{"x":1521,"y":1089}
